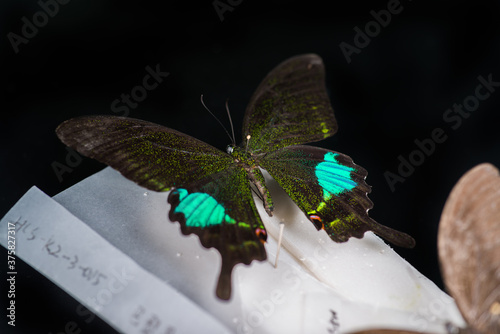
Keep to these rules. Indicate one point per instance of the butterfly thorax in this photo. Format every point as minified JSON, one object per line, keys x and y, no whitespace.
{"x":246,"y":161}
{"x":241,"y":156}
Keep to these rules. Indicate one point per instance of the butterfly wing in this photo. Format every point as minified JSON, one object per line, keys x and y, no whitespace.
{"x":331,"y":190}
{"x":211,"y":197}
{"x":153,"y":156}
{"x":469,"y":247}
{"x":221,"y":211}
{"x":290,"y":106}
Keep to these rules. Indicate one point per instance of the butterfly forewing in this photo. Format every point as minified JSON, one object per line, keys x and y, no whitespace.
{"x":331,"y":190}
{"x":149,"y":154}
{"x":290,"y":107}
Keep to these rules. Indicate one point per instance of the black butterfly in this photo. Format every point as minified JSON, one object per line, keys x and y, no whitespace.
{"x":211,"y":194}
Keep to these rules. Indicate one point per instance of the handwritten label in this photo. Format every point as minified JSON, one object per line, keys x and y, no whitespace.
{"x":53,"y":248}
{"x":148,"y":322}
{"x":94,"y":272}
{"x":334,"y":323}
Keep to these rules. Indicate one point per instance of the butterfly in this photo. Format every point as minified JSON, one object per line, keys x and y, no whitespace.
{"x":211,"y":192}
{"x":469,"y":251}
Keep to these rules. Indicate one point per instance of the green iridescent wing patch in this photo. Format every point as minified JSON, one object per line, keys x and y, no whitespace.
{"x":331,"y":191}
{"x":333,"y":176}
{"x":211,"y":194}
{"x":290,"y":106}
{"x":201,"y":209}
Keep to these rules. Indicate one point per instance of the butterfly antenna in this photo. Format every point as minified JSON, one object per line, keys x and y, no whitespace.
{"x":280,"y":238}
{"x":218,"y":120}
{"x":230,"y":121}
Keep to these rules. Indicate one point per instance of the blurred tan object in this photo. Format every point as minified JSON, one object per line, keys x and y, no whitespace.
{"x":469,"y":247}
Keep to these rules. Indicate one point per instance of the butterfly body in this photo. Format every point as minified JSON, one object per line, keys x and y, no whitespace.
{"x":211,"y":193}
{"x":250,"y":164}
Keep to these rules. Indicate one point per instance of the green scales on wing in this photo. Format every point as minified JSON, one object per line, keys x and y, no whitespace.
{"x":211,"y":194}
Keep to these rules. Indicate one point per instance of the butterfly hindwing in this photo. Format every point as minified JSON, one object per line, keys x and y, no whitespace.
{"x":331,"y":190}
{"x":221,"y":211}
{"x":290,"y":106}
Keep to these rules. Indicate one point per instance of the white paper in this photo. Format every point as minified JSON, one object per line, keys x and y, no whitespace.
{"x":319,"y":286}
{"x":97,"y":274}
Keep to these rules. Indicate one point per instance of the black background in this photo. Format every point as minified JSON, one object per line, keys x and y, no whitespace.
{"x":393,"y":92}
